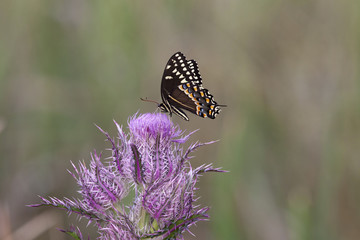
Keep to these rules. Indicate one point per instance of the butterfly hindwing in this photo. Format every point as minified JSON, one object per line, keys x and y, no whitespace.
{"x":181,"y":88}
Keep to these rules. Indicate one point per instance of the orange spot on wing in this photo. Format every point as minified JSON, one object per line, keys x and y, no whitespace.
{"x":198,"y":110}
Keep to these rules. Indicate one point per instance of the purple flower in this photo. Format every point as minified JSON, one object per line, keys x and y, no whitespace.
{"x":150,"y":163}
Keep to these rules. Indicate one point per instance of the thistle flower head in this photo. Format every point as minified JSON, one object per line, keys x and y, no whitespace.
{"x":149,"y":162}
{"x":149,"y":126}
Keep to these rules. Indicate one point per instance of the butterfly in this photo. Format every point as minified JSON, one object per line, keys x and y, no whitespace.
{"x":181,"y":89}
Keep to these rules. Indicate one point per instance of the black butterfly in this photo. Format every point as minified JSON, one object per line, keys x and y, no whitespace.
{"x":181,"y":88}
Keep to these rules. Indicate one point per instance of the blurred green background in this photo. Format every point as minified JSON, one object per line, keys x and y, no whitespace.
{"x":290,"y":136}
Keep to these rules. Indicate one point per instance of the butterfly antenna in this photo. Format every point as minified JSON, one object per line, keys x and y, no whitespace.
{"x":147,"y":100}
{"x":222,"y":105}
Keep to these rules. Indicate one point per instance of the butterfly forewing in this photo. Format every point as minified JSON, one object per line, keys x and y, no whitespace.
{"x":181,"y":88}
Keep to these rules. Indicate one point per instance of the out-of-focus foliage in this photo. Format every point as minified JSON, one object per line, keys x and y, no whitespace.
{"x":288,"y":71}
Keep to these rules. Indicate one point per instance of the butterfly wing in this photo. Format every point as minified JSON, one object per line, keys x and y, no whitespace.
{"x":181,"y":88}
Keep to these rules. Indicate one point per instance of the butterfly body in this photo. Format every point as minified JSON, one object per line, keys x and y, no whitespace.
{"x":181,"y":88}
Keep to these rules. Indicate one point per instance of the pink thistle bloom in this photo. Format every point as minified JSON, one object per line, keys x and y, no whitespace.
{"x":150,"y":163}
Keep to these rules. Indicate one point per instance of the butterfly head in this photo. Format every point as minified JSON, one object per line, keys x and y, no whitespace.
{"x":162,"y":107}
{"x":165,"y":108}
